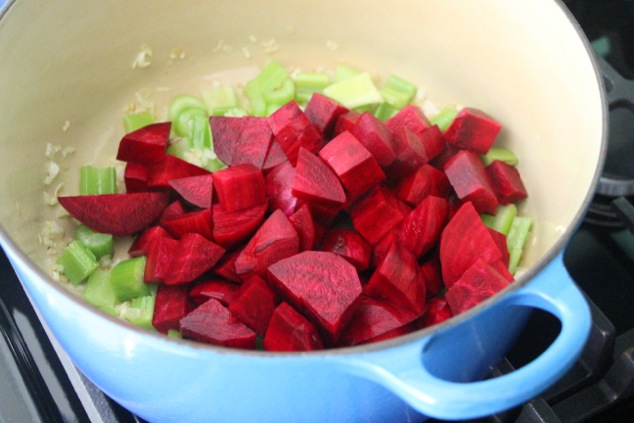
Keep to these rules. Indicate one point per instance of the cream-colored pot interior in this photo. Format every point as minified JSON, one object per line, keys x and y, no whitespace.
{"x":67,"y":76}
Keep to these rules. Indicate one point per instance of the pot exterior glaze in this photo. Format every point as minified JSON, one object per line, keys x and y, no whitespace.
{"x":67,"y":73}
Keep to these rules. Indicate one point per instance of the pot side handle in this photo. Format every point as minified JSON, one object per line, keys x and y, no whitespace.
{"x":406,"y":375}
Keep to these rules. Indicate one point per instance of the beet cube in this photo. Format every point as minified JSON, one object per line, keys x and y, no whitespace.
{"x":241,"y":140}
{"x":410,"y":117}
{"x":345,"y":122}
{"x":160,"y":253}
{"x":145,"y":145}
{"x":432,"y":275}
{"x":213,"y":323}
{"x":226,"y":266}
{"x":506,"y":182}
{"x":323,"y":113}
{"x":479,"y":282}
{"x":116,"y":214}
{"x":397,"y":279}
{"x":170,"y":167}
{"x":279,"y":186}
{"x":357,"y":169}
{"x":275,"y":156}
{"x":289,"y":331}
{"x":240,"y":187}
{"x":173,"y":210}
{"x":410,"y":154}
{"x":433,"y":142}
{"x":171,"y":305}
{"x":141,"y":243}
{"x":233,"y":228}
{"x":372,"y":317}
{"x":219,"y":289}
{"x":303,"y":222}
{"x":276,"y":239}
{"x":421,"y":229}
{"x":198,"y":221}
{"x":376,"y":213}
{"x":437,"y":311}
{"x":194,"y":256}
{"x":316,"y":183}
{"x":383,"y":246}
{"x":135,"y":177}
{"x":427,"y":180}
{"x":196,"y":190}
{"x":322,"y":285}
{"x":376,"y":137}
{"x":469,"y":179}
{"x":255,"y":305}
{"x":465,"y":233}
{"x":293,"y":130}
{"x":349,"y":245}
{"x":473,"y":130}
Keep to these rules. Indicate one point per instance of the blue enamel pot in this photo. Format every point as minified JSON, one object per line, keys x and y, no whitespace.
{"x":68,"y":69}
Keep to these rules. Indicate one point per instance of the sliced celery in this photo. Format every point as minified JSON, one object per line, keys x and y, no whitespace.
{"x":500,"y":153}
{"x":269,"y":79}
{"x":178,"y":147}
{"x":141,"y":309}
{"x":384,"y":111}
{"x":182,"y":126}
{"x":134,"y":121}
{"x":444,"y":118}
{"x":78,"y":262}
{"x":355,"y":91}
{"x":127,"y":279}
{"x":97,"y":180}
{"x":182,"y":110}
{"x":98,"y":243}
{"x":343,"y":72}
{"x":397,"y":92}
{"x":281,"y":95}
{"x":174,"y":334}
{"x":201,"y":132}
{"x":516,"y":239}
{"x":308,"y":83}
{"x":503,"y":218}
{"x":99,"y":291}
{"x":220,"y":99}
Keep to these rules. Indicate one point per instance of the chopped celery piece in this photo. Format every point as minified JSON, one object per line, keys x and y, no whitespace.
{"x":516,"y":239}
{"x":355,"y":91}
{"x":99,"y":291}
{"x":178,"y":147}
{"x":182,"y":109}
{"x":500,"y":153}
{"x":281,"y":95}
{"x":174,"y":334}
{"x":398,"y":92}
{"x":182,"y":126}
{"x":97,"y":180}
{"x":127,"y":279}
{"x":503,"y":218}
{"x":78,"y":262}
{"x":141,"y":309}
{"x":308,"y":83}
{"x":269,"y":79}
{"x":384,"y":111}
{"x":98,"y":243}
{"x":236,"y":112}
{"x":343,"y":72}
{"x":201,"y":132}
{"x":220,"y":99}
{"x":134,"y":121}
{"x":444,"y":118}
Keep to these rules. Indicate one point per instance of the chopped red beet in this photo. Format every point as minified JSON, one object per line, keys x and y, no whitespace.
{"x":432,"y":274}
{"x":437,"y":311}
{"x":141,"y":243}
{"x":506,"y":182}
{"x":303,"y":222}
{"x":116,"y":214}
{"x":135,"y":177}
{"x":410,"y":117}
{"x":276,"y":239}
{"x":279,"y":186}
{"x":410,"y":154}
{"x":427,"y":180}
{"x":323,"y":113}
{"x":469,"y":179}
{"x":174,"y":209}
{"x":211,"y":322}
{"x":321,"y":284}
{"x":357,"y":169}
{"x":145,"y":145}
{"x":171,"y":305}
{"x":383,"y":246}
{"x":349,"y":245}
{"x":226,"y":268}
{"x":219,"y":289}
{"x":194,"y":256}
{"x":316,"y":183}
{"x":275,"y":156}
{"x":473,"y":130}
{"x":170,"y":167}
{"x":254,"y":305}
{"x":233,"y":228}
{"x":421,"y":229}
{"x":240,"y":187}
{"x":198,"y":221}
{"x":345,"y":122}
{"x":290,"y":331}
{"x":376,"y":137}
{"x":159,"y":256}
{"x":241,"y":140}
{"x":376,"y":213}
{"x":196,"y":190}
{"x":293,"y":130}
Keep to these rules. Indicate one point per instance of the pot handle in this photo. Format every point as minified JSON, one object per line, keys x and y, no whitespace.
{"x":405,"y":373}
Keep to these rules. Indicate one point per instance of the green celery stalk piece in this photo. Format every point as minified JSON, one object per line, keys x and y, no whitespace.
{"x":141,"y":309}
{"x":308,"y":83}
{"x":78,"y":262}
{"x":397,"y":92}
{"x":99,"y":244}
{"x":99,"y":291}
{"x":444,"y":118}
{"x":384,"y":111}
{"x":280,"y":95}
{"x":179,"y":147}
{"x":183,"y":124}
{"x":220,"y":99}
{"x":343,"y":72}
{"x":516,"y":239}
{"x":503,"y":218}
{"x":269,"y":79}
{"x":127,"y":279}
{"x":355,"y":91}
{"x":500,"y":153}
{"x":201,"y":132}
{"x":174,"y":334}
{"x":181,"y":110}
{"x":134,"y":121}
{"x":97,"y":180}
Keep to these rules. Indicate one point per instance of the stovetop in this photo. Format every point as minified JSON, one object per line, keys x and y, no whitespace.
{"x":39,"y":385}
